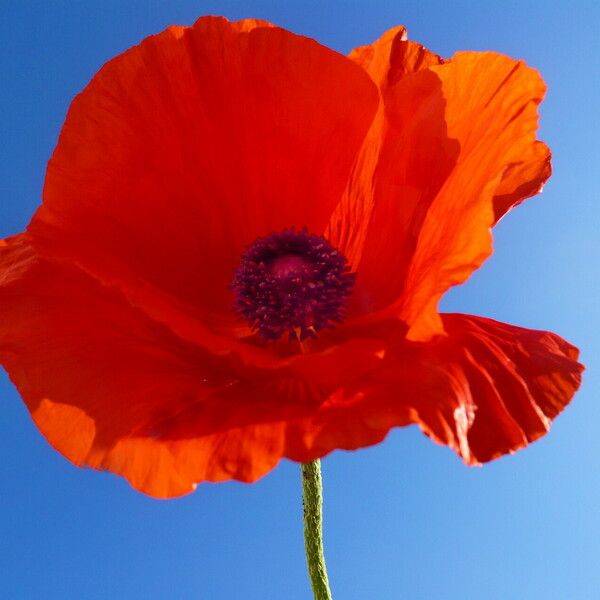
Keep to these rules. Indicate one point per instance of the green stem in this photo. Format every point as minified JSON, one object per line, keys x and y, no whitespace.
{"x":312,"y":496}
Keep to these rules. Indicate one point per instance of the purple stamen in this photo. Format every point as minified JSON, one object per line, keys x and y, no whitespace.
{"x":292,"y":282}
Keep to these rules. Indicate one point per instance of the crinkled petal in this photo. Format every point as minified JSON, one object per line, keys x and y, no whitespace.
{"x":523,"y":179}
{"x":491,"y":110}
{"x":184,"y":149}
{"x":518,"y":380}
{"x":455,"y":150}
{"x":485,"y":389}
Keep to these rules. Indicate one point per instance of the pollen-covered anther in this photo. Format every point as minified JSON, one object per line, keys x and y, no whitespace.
{"x":292,"y":282}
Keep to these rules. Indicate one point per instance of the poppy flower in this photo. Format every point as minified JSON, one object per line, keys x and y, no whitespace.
{"x":243,"y":240}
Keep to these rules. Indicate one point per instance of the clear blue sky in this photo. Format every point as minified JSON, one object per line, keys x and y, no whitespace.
{"x":404,"y":519}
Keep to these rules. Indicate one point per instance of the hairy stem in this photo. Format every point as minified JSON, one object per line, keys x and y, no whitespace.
{"x":312,"y":497}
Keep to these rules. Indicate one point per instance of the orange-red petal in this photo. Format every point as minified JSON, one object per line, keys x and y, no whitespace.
{"x":184,"y":149}
{"x":112,"y":389}
{"x":491,"y":110}
{"x":455,"y":150}
{"x":523,"y":179}
{"x":485,"y":389}
{"x":518,"y":380}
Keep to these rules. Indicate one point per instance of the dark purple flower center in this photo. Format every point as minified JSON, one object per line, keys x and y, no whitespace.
{"x":292,"y":282}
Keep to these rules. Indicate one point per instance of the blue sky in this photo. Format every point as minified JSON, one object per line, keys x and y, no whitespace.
{"x":404,"y":519}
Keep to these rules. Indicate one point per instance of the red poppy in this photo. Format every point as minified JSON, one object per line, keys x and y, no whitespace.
{"x":207,"y":189}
